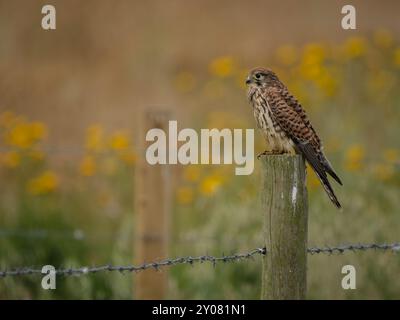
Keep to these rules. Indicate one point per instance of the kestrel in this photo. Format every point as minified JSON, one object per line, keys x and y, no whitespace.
{"x":285,"y":125}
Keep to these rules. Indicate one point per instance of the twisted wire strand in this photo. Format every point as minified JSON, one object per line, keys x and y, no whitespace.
{"x":157,"y":265}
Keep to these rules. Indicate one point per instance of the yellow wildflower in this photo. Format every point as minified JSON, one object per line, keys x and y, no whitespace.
{"x":43,"y":184}
{"x":222,"y":67}
{"x":184,"y":195}
{"x":355,"y":47}
{"x":11,"y":159}
{"x":25,"y":135}
{"x":286,"y":55}
{"x":210,"y":185}
{"x":314,"y":53}
{"x":311,"y":72}
{"x":95,"y":138}
{"x":119,"y":141}
{"x":88,"y":166}
{"x":185,"y":81}
{"x":354,"y":158}
{"x":383,"y":38}
{"x":19,"y":136}
{"x":313,"y":58}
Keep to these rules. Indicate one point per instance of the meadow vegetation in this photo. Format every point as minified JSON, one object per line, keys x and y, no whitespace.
{"x":79,"y":211}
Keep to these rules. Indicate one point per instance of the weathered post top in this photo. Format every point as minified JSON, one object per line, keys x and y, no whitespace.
{"x":285,"y":211}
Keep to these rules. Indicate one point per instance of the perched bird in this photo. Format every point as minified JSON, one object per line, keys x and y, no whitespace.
{"x":285,"y":125}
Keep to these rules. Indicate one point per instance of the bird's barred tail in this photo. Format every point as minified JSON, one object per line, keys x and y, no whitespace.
{"x":328,"y":188}
{"x":320,"y":168}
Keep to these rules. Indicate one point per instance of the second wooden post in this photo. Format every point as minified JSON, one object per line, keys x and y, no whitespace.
{"x":153,"y":202}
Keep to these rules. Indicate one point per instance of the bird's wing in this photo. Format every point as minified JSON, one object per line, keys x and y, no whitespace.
{"x":293,"y":121}
{"x":292,"y":102}
{"x":295,"y":104}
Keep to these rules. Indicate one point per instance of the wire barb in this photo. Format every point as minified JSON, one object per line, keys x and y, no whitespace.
{"x":157,"y":265}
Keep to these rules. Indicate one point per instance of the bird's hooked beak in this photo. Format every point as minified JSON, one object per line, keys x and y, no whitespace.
{"x":248,"y":80}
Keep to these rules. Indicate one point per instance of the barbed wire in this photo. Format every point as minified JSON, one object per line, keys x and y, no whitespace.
{"x":157,"y":265}
{"x":151,"y":265}
{"x":355,"y":247}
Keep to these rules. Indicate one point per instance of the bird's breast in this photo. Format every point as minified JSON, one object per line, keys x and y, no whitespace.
{"x":275,"y":136}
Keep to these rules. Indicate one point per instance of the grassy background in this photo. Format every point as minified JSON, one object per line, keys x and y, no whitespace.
{"x":69,"y":104}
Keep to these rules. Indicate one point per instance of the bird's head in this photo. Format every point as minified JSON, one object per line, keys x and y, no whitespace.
{"x":261,"y":77}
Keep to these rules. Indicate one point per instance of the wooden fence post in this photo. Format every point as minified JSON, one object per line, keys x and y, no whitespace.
{"x":285,"y":211}
{"x":152,"y":209}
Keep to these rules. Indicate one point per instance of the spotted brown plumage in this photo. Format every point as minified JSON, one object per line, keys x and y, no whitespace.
{"x":285,"y":125}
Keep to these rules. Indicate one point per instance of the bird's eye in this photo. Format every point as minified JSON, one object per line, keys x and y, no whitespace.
{"x":258,"y":76}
